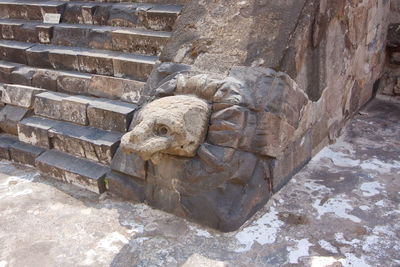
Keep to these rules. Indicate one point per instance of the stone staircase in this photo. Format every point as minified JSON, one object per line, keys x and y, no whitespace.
{"x":70,"y":90}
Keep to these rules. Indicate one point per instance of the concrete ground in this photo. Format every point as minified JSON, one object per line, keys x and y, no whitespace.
{"x":342,"y":209}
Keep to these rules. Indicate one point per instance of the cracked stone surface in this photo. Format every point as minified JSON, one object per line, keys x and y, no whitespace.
{"x":342,"y":209}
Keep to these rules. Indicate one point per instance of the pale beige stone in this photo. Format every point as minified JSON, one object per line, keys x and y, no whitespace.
{"x":174,"y":125}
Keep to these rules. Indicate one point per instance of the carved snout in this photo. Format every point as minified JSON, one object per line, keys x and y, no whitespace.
{"x":141,"y":140}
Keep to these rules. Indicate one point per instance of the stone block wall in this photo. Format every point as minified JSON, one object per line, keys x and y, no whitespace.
{"x":281,"y":78}
{"x":390,"y":83}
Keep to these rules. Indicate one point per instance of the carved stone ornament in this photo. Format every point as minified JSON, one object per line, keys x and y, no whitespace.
{"x":174,"y":125}
{"x":210,"y":147}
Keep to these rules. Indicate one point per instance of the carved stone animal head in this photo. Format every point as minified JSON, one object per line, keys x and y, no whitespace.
{"x":174,"y":125}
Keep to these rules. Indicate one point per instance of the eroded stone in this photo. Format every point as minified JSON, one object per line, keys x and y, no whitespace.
{"x":172,"y":125}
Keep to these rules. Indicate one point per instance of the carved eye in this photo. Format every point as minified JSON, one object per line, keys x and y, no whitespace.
{"x":161,"y":130}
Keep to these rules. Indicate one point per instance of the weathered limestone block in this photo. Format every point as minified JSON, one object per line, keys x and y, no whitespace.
{"x":133,"y":66}
{"x":52,"y":7}
{"x":62,"y":107}
{"x":99,"y":38}
{"x":116,"y":88}
{"x":27,"y":33}
{"x":70,"y":35}
{"x":4,"y":12}
{"x":96,"y":62}
{"x":88,"y":11}
{"x":86,"y":142}
{"x":123,"y":16}
{"x":8,"y":30}
{"x":22,"y":76}
{"x":25,"y":153}
{"x":74,"y":109}
{"x":46,"y":79}
{"x":34,"y":131}
{"x":74,"y":83}
{"x":44,"y":33}
{"x":5,"y":143}
{"x":20,"y":95}
{"x":160,"y":18}
{"x":6,"y":68}
{"x":101,"y":15}
{"x":80,"y":172}
{"x":38,"y":56}
{"x":110,"y":115}
{"x":173,"y":125}
{"x":138,"y":41}
{"x":14,"y":51}
{"x":49,"y":104}
{"x":73,"y":14}
{"x":65,"y":58}
{"x":96,"y":112}
{"x":10,"y":116}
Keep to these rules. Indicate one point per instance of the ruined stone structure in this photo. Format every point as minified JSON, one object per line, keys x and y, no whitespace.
{"x":390,"y":85}
{"x":200,"y":108}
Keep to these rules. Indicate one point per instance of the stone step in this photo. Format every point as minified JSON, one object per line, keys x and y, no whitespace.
{"x":10,"y":116}
{"x":144,"y":15}
{"x":19,"y":95}
{"x":103,"y":62}
{"x":99,"y":113}
{"x":13,"y":149}
{"x":90,"y":36}
{"x":6,"y":68}
{"x":86,"y":142}
{"x":32,"y":10}
{"x":80,"y":172}
{"x":72,"y":82}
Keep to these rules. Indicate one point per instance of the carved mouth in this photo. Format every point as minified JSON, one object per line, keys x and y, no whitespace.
{"x":146,"y":148}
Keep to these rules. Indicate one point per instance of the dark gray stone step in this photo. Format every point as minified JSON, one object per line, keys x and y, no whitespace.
{"x":90,"y":36}
{"x":72,"y":82}
{"x":25,"y":153}
{"x":13,"y":149}
{"x":80,"y":172}
{"x":14,"y":51}
{"x":100,"y":113}
{"x":150,"y":16}
{"x":86,"y":142}
{"x":6,"y":68}
{"x":10,"y":116}
{"x":85,"y":60}
{"x":5,"y":143}
{"x":31,"y":10}
{"x":19,"y":95}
